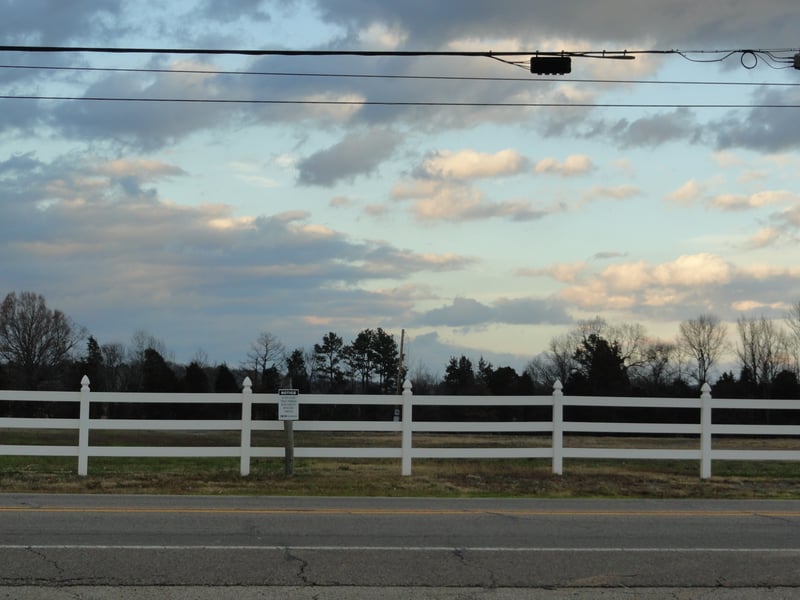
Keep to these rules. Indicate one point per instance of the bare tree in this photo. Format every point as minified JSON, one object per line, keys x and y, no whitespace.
{"x":265,"y":352}
{"x":632,"y":341}
{"x":143,"y":340}
{"x":114,"y":365}
{"x":561,"y":357}
{"x":35,"y":340}
{"x":793,"y":338}
{"x":423,"y":381}
{"x":704,"y":339}
{"x":761,"y":350}
{"x":559,"y":363}
{"x":658,"y":368}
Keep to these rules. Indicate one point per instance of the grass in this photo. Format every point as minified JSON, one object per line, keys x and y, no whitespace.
{"x":372,"y":477}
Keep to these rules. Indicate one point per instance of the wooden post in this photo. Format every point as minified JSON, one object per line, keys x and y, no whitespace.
{"x":288,"y":427}
{"x":288,"y":454}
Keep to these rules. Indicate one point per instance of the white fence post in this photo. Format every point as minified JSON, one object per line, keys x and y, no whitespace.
{"x":408,"y":407}
{"x":558,"y":428}
{"x":247,"y":426}
{"x":83,"y":428}
{"x":705,"y":431}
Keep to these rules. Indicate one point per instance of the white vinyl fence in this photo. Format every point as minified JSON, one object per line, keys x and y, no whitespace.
{"x":703,"y":428}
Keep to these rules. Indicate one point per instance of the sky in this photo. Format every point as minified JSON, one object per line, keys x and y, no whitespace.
{"x":428,"y":194}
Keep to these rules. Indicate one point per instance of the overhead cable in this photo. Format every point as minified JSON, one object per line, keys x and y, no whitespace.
{"x":387,"y":76}
{"x":391,"y":102}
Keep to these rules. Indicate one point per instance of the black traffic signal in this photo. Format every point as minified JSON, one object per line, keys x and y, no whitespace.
{"x":551,"y":65}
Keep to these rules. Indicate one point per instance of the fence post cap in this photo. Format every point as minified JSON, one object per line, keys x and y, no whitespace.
{"x":85,"y":383}
{"x":247,"y":384}
{"x":557,"y":386}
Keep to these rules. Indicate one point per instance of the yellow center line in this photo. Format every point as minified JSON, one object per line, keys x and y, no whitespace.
{"x":402,"y":512}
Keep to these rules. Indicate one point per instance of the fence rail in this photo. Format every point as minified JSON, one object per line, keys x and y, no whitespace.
{"x":703,"y":428}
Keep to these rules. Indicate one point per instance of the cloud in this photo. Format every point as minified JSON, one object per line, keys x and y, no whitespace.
{"x":766,"y":236}
{"x":694,"y":269}
{"x":563,"y":272}
{"x":226,"y":11}
{"x":763,"y":129}
{"x":688,"y":284}
{"x":577,"y":164}
{"x":728,"y":160}
{"x":689,"y":192}
{"x":136,"y":122}
{"x":665,"y":24}
{"x":441,"y":188}
{"x":606,"y":255}
{"x":467,"y":312}
{"x":357,"y":154}
{"x":428,"y":352}
{"x":469,"y":164}
{"x":530,"y":311}
{"x":655,"y":130}
{"x":104,"y":245}
{"x":142,"y":169}
{"x":619,"y":192}
{"x":43,"y":22}
{"x":456,"y":202}
{"x":462,"y":312}
{"x":730,"y":202}
{"x":627,"y":277}
{"x":340,"y":202}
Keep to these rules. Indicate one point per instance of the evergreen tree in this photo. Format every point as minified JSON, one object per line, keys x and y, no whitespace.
{"x":459,"y":377}
{"x":271,"y":380}
{"x":297,"y":371}
{"x":483,"y":376}
{"x":93,"y":366}
{"x":601,"y":368}
{"x":157,"y":376}
{"x":360,"y":356}
{"x":195,"y":380}
{"x":224,"y":381}
{"x":328,"y":357}
{"x":505,"y":381}
{"x":386,"y":357}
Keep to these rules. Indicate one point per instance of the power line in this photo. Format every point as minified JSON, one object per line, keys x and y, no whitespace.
{"x":277,"y":52}
{"x":780,"y":56}
{"x":409,"y":77}
{"x":389,"y":102}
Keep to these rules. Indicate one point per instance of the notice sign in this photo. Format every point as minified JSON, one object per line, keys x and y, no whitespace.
{"x":288,"y":405}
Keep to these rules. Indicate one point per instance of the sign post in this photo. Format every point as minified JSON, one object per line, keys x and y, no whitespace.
{"x":288,"y":412}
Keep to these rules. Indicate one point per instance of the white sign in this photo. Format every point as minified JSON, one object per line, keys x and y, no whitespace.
{"x":288,"y":405}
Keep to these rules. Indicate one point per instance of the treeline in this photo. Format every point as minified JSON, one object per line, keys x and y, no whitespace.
{"x":42,"y":348}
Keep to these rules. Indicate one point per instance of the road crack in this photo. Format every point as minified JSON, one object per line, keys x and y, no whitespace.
{"x":47,"y":560}
{"x":301,"y":571}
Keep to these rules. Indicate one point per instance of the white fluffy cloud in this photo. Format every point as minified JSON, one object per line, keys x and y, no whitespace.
{"x":577,"y":164}
{"x":470,"y":164}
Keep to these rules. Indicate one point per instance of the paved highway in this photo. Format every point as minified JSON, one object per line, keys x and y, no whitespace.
{"x":476,"y":546}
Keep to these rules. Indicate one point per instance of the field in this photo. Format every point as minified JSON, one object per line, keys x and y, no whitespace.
{"x":371,"y":477}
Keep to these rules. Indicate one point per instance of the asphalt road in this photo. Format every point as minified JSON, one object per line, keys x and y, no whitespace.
{"x":342,"y":547}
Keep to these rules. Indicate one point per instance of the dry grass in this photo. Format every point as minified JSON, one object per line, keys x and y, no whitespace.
{"x":447,"y":478}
